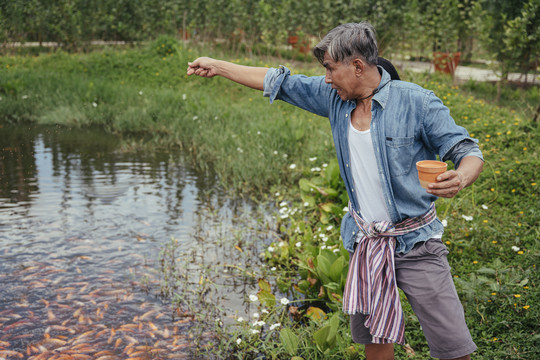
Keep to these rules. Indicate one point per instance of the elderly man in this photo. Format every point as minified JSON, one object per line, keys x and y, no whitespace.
{"x":381,"y":128}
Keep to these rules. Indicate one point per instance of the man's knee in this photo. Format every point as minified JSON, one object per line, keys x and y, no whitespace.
{"x":379,"y":351}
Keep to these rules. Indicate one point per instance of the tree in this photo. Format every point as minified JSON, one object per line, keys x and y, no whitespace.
{"x":511,"y":33}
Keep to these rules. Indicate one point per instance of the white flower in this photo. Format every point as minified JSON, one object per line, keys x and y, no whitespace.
{"x":258,"y":133}
{"x":315,"y":169}
{"x":468,"y":218}
{"x":285,"y":156}
{"x":284,"y":301}
{"x":258,"y":323}
{"x":346,"y":209}
{"x":184,"y":96}
{"x":330,"y":227}
{"x":284,"y":216}
{"x":264,"y":311}
{"x":238,"y":341}
{"x":292,"y":166}
{"x":240,"y":319}
{"x":195,"y":117}
{"x":306,"y":204}
{"x":298,"y":244}
{"x":25,"y":97}
{"x":140,"y":93}
{"x":282,"y":204}
{"x":283,"y":210}
{"x":239,"y":150}
{"x":273,"y":268}
{"x":253,"y":297}
{"x":94,"y":104}
{"x":515,"y":248}
{"x":270,"y":249}
{"x":323,"y":247}
{"x":281,"y":244}
{"x":277,"y":194}
{"x":215,"y":118}
{"x":275,"y":152}
{"x":484,"y":206}
{"x":273,"y":326}
{"x":312,"y":159}
{"x":255,"y":331}
{"x":324,"y":165}
{"x":444,"y":223}
{"x":0,"y":98}
{"x":335,"y":251}
{"x":256,"y":315}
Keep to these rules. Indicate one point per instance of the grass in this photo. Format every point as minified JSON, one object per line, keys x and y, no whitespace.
{"x":492,"y":227}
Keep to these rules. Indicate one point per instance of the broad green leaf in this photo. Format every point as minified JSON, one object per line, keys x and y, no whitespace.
{"x":323,"y":265}
{"x":305,"y":185}
{"x":304,"y":285}
{"x":320,"y":337}
{"x":265,"y":285}
{"x":267,"y":298}
{"x":315,"y":313}
{"x":336,"y":269}
{"x":327,"y":207}
{"x":289,"y":340}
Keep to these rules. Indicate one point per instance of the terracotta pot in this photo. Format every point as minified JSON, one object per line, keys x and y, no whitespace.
{"x":446,"y":62}
{"x":304,"y":47}
{"x":428,"y":170}
{"x":293,"y":40}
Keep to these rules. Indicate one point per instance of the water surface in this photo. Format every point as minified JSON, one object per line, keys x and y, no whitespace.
{"x":86,"y":247}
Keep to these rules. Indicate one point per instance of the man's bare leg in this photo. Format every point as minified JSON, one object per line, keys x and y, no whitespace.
{"x":380,"y":351}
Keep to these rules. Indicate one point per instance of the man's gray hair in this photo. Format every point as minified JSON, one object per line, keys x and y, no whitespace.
{"x":348,"y":41}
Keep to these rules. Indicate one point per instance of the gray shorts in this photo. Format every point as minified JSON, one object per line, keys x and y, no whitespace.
{"x":424,"y":276}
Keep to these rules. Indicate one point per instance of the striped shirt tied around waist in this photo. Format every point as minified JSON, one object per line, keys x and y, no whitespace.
{"x":371,"y":287}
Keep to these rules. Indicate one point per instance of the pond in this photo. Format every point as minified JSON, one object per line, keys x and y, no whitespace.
{"x":106,"y":253}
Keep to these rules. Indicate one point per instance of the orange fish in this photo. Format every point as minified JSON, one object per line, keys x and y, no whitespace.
{"x":9,"y":353}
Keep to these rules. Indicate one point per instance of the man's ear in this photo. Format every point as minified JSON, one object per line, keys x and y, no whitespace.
{"x":359,"y":66}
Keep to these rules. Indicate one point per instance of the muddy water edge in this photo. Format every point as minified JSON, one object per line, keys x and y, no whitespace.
{"x":106,"y":253}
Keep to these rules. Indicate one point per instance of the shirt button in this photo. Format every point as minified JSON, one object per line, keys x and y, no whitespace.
{"x":352,"y":190}
{"x":346,"y":115}
{"x":347,"y":165}
{"x":353,"y":233}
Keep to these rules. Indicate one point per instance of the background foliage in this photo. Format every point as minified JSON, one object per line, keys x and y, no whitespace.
{"x":507,"y":31}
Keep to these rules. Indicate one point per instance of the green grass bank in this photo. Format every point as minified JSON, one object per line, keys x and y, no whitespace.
{"x":281,"y":154}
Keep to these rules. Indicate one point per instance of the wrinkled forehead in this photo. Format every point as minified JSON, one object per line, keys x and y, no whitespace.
{"x":327,"y":60}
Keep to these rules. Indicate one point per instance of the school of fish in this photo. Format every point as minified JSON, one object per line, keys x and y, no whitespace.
{"x":59,"y":317}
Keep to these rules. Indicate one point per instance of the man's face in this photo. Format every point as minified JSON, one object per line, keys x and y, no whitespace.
{"x":341,"y":76}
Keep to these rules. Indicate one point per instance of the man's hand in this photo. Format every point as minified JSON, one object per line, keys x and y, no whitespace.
{"x":451,"y":182}
{"x":250,"y":76}
{"x":203,"y":66}
{"x":448,"y":184}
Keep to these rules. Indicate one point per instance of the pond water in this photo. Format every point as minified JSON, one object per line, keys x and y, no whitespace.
{"x":91,"y":236}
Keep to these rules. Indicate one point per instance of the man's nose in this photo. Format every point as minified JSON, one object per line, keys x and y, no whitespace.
{"x":327,"y":78}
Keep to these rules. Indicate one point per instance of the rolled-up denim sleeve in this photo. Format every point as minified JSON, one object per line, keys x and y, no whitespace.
{"x":272,"y":81}
{"x":310,"y":93}
{"x":466,"y":147}
{"x":450,"y":140}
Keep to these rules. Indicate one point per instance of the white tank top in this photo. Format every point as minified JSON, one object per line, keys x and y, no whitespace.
{"x":365,"y":172}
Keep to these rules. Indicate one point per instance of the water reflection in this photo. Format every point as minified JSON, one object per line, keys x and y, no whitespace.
{"x":82,"y":223}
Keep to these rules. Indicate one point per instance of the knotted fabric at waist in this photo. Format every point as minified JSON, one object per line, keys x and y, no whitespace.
{"x":371,"y":287}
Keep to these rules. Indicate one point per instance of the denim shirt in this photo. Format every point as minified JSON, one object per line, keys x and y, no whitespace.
{"x":408,"y":124}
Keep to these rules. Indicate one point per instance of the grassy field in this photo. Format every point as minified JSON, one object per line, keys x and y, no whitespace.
{"x":280,"y":154}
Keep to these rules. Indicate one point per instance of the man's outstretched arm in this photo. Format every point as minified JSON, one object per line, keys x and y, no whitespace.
{"x":250,"y":76}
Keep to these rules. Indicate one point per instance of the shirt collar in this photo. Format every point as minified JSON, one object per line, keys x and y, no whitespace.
{"x":384,"y":89}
